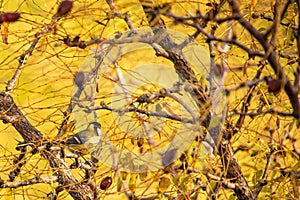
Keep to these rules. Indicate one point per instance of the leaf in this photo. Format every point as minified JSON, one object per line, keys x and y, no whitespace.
{"x":132,"y":183}
{"x":257,"y":176}
{"x":119,"y":184}
{"x":232,"y":197}
{"x":163,"y":184}
{"x":291,"y":125}
{"x":168,"y":157}
{"x":158,"y":107}
{"x":176,"y":179}
{"x":124,"y":175}
{"x":143,"y":176}
{"x":261,"y":29}
{"x":184,"y":182}
{"x":144,"y":172}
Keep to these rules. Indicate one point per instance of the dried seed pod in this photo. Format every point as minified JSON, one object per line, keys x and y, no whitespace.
{"x":63,"y":8}
{"x":132,"y":139}
{"x":144,"y":98}
{"x":219,"y":70}
{"x":274,"y":85}
{"x":9,"y":17}
{"x":243,"y":147}
{"x":140,"y":142}
{"x":79,"y":79}
{"x":106,"y":183}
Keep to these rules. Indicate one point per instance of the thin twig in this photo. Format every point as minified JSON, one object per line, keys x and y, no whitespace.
{"x":35,"y":180}
{"x":225,"y":182}
{"x":145,"y":112}
{"x":289,"y":88}
{"x":250,"y":51}
{"x":253,"y":114}
{"x":263,"y":181}
{"x":124,"y":16}
{"x":245,"y":84}
{"x":24,"y":57}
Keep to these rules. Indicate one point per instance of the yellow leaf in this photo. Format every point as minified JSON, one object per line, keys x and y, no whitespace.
{"x":132,"y":183}
{"x":163,"y":184}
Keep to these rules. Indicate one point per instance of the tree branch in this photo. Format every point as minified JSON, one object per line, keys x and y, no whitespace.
{"x":10,"y":113}
{"x":289,"y":88}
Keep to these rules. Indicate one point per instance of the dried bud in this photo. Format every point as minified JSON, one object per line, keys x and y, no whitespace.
{"x":63,"y":8}
{"x":144,"y":98}
{"x":274,"y":85}
{"x":140,"y":142}
{"x":106,"y":183}
{"x":79,"y":79}
{"x":243,"y":147}
{"x":255,"y":15}
{"x":219,"y":70}
{"x":9,"y":17}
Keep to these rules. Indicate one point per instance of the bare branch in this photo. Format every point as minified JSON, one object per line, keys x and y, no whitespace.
{"x":226,"y":183}
{"x":32,"y":136}
{"x":32,"y":181}
{"x":24,"y":57}
{"x":120,"y":15}
{"x":246,"y":84}
{"x":263,"y":181}
{"x":254,"y":114}
{"x":290,"y":90}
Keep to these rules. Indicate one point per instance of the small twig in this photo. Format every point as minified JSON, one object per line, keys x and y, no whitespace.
{"x":120,"y":15}
{"x":253,"y":114}
{"x":250,"y":51}
{"x":274,"y":27}
{"x":246,"y":103}
{"x":145,"y":112}
{"x":263,"y":181}
{"x":225,"y":182}
{"x":74,"y":100}
{"x":24,"y":57}
{"x":213,"y":192}
{"x":111,"y":5}
{"x":165,"y":92}
{"x":251,"y":83}
{"x":76,"y":42}
{"x":35,"y":180}
{"x":290,"y":90}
